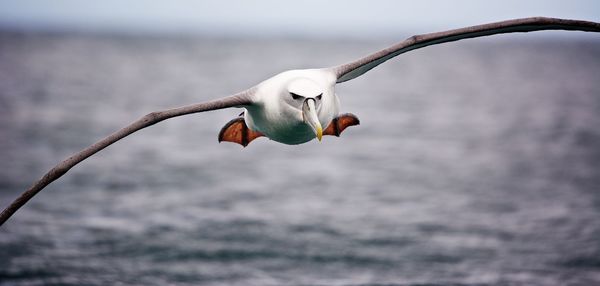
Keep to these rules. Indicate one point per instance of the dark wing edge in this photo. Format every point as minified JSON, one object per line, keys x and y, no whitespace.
{"x":241,"y":99}
{"x":357,"y":68}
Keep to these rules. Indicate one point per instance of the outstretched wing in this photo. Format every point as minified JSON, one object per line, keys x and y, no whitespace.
{"x":237,"y":100}
{"x":357,"y":68}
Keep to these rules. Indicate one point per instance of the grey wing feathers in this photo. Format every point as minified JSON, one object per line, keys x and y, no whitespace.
{"x":241,"y":99}
{"x":357,"y":68}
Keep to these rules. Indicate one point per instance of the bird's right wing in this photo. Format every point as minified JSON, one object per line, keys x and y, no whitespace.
{"x":357,"y":68}
{"x":241,"y":99}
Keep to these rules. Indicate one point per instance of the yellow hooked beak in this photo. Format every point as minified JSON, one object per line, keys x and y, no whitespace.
{"x":309,"y":113}
{"x":319,"y":133}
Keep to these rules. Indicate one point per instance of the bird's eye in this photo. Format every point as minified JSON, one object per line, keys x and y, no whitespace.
{"x":319,"y":96}
{"x":295,"y":96}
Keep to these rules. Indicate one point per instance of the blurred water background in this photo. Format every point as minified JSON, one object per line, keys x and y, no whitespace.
{"x":476,"y":163}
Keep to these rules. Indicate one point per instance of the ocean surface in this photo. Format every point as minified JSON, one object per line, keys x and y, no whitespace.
{"x":476,"y":163}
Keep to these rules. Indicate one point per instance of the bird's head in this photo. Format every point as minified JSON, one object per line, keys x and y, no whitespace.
{"x":305,"y":95}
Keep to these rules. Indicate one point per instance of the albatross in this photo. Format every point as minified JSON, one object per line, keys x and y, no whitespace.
{"x":297,"y":106}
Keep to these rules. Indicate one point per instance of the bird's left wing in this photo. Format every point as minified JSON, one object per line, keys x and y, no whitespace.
{"x":237,"y":100}
{"x":356,"y":68}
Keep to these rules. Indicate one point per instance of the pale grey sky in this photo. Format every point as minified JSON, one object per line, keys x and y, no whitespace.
{"x":312,"y":17}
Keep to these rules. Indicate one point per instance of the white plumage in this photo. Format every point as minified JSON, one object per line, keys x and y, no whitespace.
{"x":278,"y":115}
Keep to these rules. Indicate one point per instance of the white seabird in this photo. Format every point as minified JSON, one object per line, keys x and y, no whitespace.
{"x":292,"y":107}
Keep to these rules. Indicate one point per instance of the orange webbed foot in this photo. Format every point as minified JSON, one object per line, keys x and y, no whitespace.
{"x":340,"y":123}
